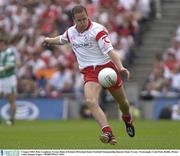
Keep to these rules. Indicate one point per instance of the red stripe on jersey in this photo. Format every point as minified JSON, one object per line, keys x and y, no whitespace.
{"x":67,"y":36}
{"x":100,"y":34}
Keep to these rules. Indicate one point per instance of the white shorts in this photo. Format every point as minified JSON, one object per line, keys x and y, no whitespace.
{"x":8,"y":85}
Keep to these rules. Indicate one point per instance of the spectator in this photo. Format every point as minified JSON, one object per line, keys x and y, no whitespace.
{"x":60,"y":82}
{"x":27,"y":83}
{"x":154,"y":84}
{"x":175,"y":80}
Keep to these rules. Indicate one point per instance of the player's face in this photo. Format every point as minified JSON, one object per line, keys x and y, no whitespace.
{"x":81,"y":21}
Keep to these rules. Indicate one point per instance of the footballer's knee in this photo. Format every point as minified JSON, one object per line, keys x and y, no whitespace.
{"x":126,"y":102}
{"x":91,"y":103}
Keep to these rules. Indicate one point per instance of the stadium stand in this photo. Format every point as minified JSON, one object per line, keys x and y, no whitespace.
{"x":159,"y":95}
{"x":163,"y":79}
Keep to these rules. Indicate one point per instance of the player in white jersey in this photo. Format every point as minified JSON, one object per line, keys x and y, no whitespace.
{"x":94,"y":51}
{"x":8,"y":82}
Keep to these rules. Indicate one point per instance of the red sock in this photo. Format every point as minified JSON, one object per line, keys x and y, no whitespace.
{"x":106,"y":129}
{"x":127,"y":118}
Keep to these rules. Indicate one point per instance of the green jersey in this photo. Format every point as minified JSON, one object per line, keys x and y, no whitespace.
{"x":8,"y":58}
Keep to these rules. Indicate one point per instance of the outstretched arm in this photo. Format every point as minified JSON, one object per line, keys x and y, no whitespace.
{"x":58,"y":40}
{"x":54,"y":40}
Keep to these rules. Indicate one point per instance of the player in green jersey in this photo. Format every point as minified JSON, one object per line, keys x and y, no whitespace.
{"x":8,"y":81}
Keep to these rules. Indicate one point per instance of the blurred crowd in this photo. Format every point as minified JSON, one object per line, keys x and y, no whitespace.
{"x":52,"y":72}
{"x":164,"y":79}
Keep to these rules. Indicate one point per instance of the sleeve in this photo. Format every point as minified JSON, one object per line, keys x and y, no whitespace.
{"x":104,"y":41}
{"x":64,"y":38}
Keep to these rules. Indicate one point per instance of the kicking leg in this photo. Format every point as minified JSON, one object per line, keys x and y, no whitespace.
{"x":121,"y":98}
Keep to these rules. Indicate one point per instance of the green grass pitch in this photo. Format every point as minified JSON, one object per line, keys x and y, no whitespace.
{"x":84,"y":134}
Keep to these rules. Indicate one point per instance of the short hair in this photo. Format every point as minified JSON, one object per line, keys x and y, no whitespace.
{"x":78,"y":9}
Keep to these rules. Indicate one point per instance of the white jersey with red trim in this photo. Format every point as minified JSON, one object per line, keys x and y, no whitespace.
{"x":91,"y":46}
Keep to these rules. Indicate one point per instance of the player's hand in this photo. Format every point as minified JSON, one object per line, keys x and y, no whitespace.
{"x":46,"y":42}
{"x":125,"y":72}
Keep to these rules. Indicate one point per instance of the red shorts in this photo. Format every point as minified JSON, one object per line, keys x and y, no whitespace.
{"x":91,"y":74}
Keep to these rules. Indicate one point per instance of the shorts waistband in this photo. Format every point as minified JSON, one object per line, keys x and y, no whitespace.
{"x":95,"y":66}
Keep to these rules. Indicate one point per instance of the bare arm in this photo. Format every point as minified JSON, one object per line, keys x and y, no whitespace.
{"x":116,"y":60}
{"x":48,"y":41}
{"x":54,"y":40}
